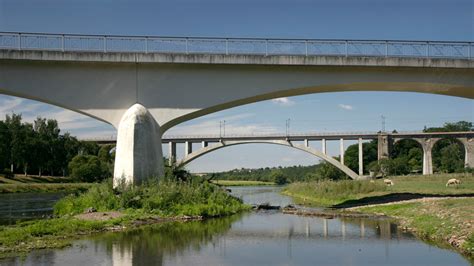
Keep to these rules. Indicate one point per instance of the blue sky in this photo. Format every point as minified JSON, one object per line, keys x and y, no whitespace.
{"x":450,"y":20}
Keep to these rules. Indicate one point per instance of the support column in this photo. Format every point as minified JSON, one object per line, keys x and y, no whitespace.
{"x":306,"y":143}
{"x":172,"y":152}
{"x":323,"y":144}
{"x":138,"y":154}
{"x":469,"y":151}
{"x":427,"y":145}
{"x":383,"y":146}
{"x":204,"y":144}
{"x":361,"y":158}
{"x":341,"y":150}
{"x":188,"y":148}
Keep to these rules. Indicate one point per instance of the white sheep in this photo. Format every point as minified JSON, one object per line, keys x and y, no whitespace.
{"x":453,"y":181}
{"x":388,"y":182}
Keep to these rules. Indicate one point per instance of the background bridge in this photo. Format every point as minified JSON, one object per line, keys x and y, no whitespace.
{"x":210,"y":143}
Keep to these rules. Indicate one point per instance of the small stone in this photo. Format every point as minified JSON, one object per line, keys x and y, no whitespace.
{"x":90,"y":210}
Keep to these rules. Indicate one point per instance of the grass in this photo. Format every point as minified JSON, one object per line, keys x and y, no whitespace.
{"x":242,"y":183}
{"x":332,"y":193}
{"x":21,"y":183}
{"x":448,"y":222}
{"x":154,"y":200}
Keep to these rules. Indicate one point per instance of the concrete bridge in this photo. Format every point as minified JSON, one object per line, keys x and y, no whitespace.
{"x":385,"y":143}
{"x":144,"y":85}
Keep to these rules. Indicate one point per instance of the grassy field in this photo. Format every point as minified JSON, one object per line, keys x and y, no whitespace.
{"x":242,"y":183}
{"x":332,"y":193}
{"x":443,"y":221}
{"x":23,"y":183}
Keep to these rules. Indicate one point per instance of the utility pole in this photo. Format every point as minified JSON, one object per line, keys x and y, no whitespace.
{"x":288,"y":127}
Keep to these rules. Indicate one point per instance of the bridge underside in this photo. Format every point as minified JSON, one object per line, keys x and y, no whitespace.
{"x":105,"y":86}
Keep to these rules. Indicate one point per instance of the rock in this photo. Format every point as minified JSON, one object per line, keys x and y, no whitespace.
{"x":90,"y":210}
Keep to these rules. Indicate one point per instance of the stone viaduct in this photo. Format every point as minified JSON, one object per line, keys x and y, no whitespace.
{"x":144,"y":85}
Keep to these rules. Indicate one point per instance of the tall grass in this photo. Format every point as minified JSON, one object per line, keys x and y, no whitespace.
{"x":328,"y":192}
{"x":164,"y":198}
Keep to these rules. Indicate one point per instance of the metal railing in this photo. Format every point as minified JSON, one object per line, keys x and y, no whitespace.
{"x":234,"y":46}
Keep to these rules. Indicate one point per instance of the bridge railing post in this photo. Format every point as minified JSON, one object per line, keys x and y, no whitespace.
{"x":62,"y":43}
{"x":105,"y":44}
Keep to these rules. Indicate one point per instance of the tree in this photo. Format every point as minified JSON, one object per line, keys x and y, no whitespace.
{"x":87,"y":168}
{"x":278,"y":177}
{"x":5,"y":140}
{"x":451,"y":159}
{"x":369,"y":151}
{"x":451,"y":127}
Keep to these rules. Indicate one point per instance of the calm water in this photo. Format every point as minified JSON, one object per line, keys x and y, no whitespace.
{"x":26,"y":206}
{"x":261,"y":238}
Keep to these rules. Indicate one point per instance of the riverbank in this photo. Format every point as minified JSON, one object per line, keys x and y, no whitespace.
{"x":43,"y":184}
{"x":350,"y":193}
{"x":421,"y":204}
{"x":164,"y":201}
{"x":229,"y":183}
{"x":445,"y":221}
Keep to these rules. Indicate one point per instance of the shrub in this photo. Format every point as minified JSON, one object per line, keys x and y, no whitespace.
{"x":279,"y":178}
{"x":7,"y":173}
{"x":88,"y":168}
{"x":166,"y":197}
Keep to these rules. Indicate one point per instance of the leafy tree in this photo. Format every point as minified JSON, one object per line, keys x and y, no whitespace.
{"x":451,"y":127}
{"x":5,"y":152}
{"x":351,"y":155}
{"x":451,"y":159}
{"x":278,"y":177}
{"x":87,"y":168}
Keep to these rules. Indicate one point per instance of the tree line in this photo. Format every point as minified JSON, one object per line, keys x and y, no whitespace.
{"x":39,"y":148}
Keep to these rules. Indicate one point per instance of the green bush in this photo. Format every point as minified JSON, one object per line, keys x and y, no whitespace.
{"x":7,"y":173}
{"x":165,"y":198}
{"x":88,"y":168}
{"x":279,"y":178}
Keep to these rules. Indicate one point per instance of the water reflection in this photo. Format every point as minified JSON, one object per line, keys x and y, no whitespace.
{"x":262,"y":238}
{"x":26,"y":206}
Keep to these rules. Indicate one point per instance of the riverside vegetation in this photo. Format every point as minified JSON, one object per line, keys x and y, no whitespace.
{"x":434,"y":212}
{"x":166,"y":200}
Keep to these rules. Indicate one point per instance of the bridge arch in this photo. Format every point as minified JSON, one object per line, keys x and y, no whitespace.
{"x":194,"y":155}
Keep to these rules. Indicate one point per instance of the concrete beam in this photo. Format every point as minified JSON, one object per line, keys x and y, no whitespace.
{"x":172,"y":152}
{"x":323,"y":146}
{"x":341,"y":150}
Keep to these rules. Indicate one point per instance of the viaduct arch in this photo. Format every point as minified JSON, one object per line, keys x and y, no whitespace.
{"x":226,"y":143}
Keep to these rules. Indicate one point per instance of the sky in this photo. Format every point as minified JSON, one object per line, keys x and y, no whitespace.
{"x":445,"y":20}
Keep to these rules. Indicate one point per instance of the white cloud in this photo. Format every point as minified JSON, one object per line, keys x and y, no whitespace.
{"x":283,"y":101}
{"x":234,"y":125}
{"x":346,"y":106}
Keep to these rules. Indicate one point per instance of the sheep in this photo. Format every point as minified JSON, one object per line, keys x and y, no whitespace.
{"x":388,"y":182}
{"x":453,"y":181}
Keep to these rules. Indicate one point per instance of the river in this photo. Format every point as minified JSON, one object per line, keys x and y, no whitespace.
{"x":255,"y":238}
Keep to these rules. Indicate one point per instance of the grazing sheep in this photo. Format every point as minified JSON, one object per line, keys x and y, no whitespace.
{"x":372,"y":181}
{"x":453,"y":181}
{"x":388,"y":182}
